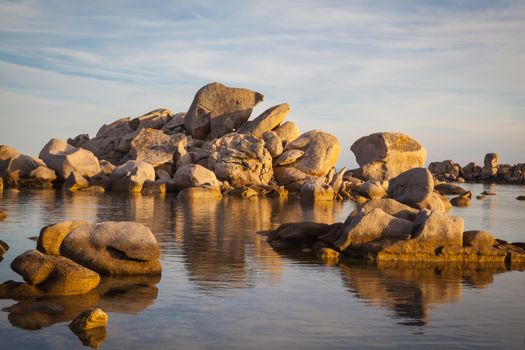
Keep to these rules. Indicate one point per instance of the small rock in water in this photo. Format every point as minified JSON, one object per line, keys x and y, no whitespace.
{"x":488,"y":193}
{"x":89,"y":319}
{"x":480,"y":197}
{"x":520,"y":198}
{"x":461,"y":201}
{"x":3,"y":215}
{"x":307,"y":250}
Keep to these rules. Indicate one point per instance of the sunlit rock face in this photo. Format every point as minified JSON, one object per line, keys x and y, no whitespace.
{"x":218,"y":110}
{"x":385,"y":155}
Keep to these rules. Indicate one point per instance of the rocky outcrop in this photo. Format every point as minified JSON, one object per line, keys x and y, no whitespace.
{"x":64,"y":159}
{"x":446,"y":170}
{"x":48,"y":275}
{"x":194,"y":175}
{"x":312,"y":155}
{"x":490,"y":166}
{"x":113,"y":248}
{"x":218,"y":110}
{"x":241,"y":159}
{"x":130,"y":176}
{"x":385,"y":155}
{"x":267,"y":121}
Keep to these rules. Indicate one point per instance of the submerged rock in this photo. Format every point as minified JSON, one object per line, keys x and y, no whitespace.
{"x":48,"y":275}
{"x":219,"y":110}
{"x":385,"y":155}
{"x":113,"y":248}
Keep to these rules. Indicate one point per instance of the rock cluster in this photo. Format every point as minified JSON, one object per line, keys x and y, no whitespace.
{"x":491,"y":171}
{"x":411,"y":225}
{"x":70,"y":255}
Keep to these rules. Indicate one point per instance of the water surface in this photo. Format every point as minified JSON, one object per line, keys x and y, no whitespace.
{"x":223,"y":286}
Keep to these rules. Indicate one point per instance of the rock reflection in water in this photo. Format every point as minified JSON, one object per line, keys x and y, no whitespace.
{"x":411,"y":290}
{"x":128,"y":295}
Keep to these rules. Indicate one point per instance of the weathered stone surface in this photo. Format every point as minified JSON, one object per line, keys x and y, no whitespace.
{"x":48,"y":275}
{"x":412,"y":187}
{"x":372,"y":189}
{"x":448,"y":189}
{"x":321,"y":151}
{"x":154,"y":187}
{"x":64,"y":159}
{"x":194,"y":175}
{"x":313,"y":191}
{"x":199,"y":193}
{"x":490,"y":165}
{"x":446,"y":169}
{"x":17,"y":168}
{"x":155,"y":119}
{"x":288,"y":157}
{"x":437,"y":236}
{"x":106,"y":167}
{"x":43,"y":174}
{"x":155,"y":147}
{"x":51,"y":236}
{"x":89,"y":319}
{"x":337,"y":181}
{"x":287,"y":132}
{"x":218,"y":110}
{"x":3,"y":245}
{"x":267,"y":121}
{"x":369,"y":226}
{"x":460,"y":201}
{"x":241,"y":159}
{"x":391,"y":207}
{"x":478,"y":239}
{"x":75,"y":182}
{"x":113,"y":248}
{"x":273,"y":143}
{"x":385,"y":155}
{"x":175,"y":125}
{"x":130,"y":176}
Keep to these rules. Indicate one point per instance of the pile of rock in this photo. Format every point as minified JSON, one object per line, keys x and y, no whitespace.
{"x":491,"y":171}
{"x":70,"y":255}
{"x":411,"y":224}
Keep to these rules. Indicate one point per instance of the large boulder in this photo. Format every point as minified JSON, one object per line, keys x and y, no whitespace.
{"x":385,"y":155}
{"x":155,"y":147}
{"x":48,"y":275}
{"x":113,"y":248}
{"x":267,"y":121}
{"x":130,"y":176}
{"x":413,"y":187}
{"x":194,"y":175}
{"x":241,"y":159}
{"x":217,"y":110}
{"x":64,"y":159}
{"x":51,"y":236}
{"x":369,"y":226}
{"x":320,"y":153}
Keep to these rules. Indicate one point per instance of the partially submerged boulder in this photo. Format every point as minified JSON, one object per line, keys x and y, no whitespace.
{"x":64,"y":159}
{"x":320,"y":152}
{"x":385,"y":155}
{"x":113,"y":248}
{"x":194,"y":175}
{"x":241,"y":159}
{"x":89,"y":319}
{"x":130,"y":176}
{"x":48,"y":275}
{"x":219,"y":110}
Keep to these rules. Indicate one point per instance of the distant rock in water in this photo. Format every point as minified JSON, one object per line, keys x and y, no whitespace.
{"x":18,"y":169}
{"x":385,"y":155}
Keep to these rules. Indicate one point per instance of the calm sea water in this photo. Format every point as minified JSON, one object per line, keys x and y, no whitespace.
{"x":223,"y":287}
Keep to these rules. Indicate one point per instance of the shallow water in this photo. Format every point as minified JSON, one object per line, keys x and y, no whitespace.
{"x":223,"y":287}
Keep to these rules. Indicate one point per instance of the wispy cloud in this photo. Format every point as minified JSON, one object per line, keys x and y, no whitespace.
{"x":446,"y":72}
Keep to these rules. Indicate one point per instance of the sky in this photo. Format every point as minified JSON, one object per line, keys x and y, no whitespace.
{"x":451,"y":74}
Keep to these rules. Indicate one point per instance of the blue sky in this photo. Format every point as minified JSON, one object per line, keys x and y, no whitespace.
{"x":449,"y":73}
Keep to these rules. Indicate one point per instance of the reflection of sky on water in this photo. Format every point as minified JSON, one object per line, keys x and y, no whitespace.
{"x":223,"y":286}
